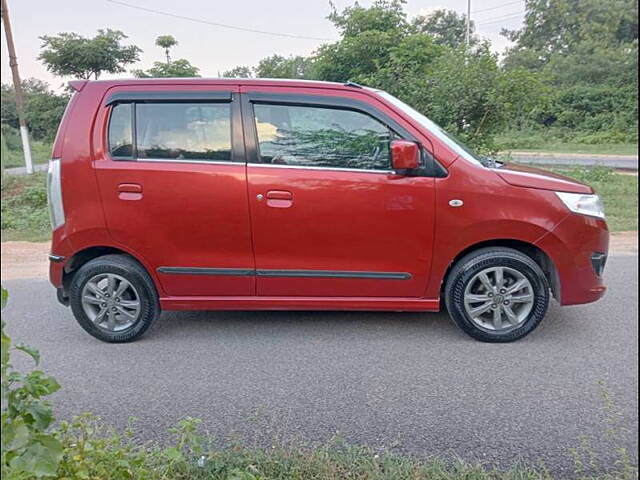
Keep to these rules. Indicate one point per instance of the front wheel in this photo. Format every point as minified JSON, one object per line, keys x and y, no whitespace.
{"x":113,"y":298}
{"x":497,"y":294}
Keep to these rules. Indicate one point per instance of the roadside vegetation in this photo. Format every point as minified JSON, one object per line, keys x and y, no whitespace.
{"x":25,"y":215}
{"x":34,"y":446}
{"x":550,"y":141}
{"x":24,"y":208}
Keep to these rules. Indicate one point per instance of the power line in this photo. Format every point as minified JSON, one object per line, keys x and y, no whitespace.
{"x":504,"y":18}
{"x":497,"y":7}
{"x":215,"y":24}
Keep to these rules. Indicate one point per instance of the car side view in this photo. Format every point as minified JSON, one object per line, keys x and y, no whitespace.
{"x":238,"y":194}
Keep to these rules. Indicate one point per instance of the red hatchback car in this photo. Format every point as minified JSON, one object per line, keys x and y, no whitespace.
{"x":196,"y":194}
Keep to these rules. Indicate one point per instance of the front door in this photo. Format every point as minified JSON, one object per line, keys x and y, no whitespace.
{"x":172,"y":177}
{"x":329,"y":216}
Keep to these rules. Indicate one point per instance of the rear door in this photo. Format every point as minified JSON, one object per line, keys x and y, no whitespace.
{"x":171,"y":172}
{"x":330,"y":217}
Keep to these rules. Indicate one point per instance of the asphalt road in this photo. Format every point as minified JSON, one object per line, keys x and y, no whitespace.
{"x":621,"y":162}
{"x":412,"y":382}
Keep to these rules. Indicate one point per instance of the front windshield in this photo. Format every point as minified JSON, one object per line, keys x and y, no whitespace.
{"x":455,"y":145}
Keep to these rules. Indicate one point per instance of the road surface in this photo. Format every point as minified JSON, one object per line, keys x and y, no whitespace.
{"x":620,"y":162}
{"x":412,"y":383}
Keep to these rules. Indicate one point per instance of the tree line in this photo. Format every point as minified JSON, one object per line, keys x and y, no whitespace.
{"x":572,"y":69}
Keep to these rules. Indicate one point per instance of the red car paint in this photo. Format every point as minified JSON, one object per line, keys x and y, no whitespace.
{"x":199,"y":215}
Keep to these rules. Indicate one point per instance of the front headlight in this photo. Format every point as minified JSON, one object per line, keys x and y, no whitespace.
{"x":583,"y":204}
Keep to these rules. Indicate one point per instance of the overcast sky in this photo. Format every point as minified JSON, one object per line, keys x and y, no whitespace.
{"x":214,"y":49}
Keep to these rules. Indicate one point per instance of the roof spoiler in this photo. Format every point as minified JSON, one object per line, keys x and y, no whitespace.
{"x":78,"y":85}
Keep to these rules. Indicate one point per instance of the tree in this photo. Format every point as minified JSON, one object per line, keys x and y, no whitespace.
{"x":168,"y":69}
{"x":382,"y":16}
{"x":277,"y":66}
{"x":177,"y":68}
{"x":587,"y":50}
{"x":422,"y":63}
{"x":447,"y":27}
{"x":69,"y":54}
{"x":562,"y":26}
{"x":239,"y":72}
{"x":166,"y":42}
{"x":43,"y":108}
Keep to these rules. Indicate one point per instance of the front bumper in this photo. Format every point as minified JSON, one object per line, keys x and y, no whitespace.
{"x":578,"y":246}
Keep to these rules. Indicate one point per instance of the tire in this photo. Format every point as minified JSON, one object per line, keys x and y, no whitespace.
{"x":466,"y":291}
{"x":139,"y":299}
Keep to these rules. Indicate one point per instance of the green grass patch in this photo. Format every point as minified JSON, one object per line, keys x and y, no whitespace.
{"x":91,"y":449}
{"x":619,"y":193}
{"x":40,"y":153}
{"x":12,"y":155}
{"x":24,"y":208}
{"x":559,"y":141}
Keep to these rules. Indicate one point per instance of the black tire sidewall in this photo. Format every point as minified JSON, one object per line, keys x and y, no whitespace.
{"x":133,"y":273}
{"x":470,"y":267}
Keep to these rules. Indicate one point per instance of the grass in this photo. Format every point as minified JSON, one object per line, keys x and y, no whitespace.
{"x":12,"y":149}
{"x":40,"y":153}
{"x":560,"y":141}
{"x":24,"y":208}
{"x":192,"y":458}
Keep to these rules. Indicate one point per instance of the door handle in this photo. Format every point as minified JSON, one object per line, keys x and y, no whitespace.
{"x":129,"y":191}
{"x":279,"y":195}
{"x":279,"y":199}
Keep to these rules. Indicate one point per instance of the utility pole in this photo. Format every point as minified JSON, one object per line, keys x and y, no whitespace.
{"x":468,"y":34}
{"x":17,"y":86}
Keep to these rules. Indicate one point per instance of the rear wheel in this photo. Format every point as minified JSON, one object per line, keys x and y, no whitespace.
{"x":497,"y":294}
{"x":113,"y":298}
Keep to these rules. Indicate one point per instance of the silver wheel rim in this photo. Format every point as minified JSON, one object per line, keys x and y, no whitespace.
{"x":111,"y":302}
{"x":499,"y":299}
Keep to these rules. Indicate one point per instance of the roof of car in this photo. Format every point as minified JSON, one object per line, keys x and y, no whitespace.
{"x":231,"y":81}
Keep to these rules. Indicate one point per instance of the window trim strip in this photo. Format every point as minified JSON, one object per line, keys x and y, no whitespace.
{"x":169,"y":96}
{"x":327,"y":168}
{"x":175,"y":160}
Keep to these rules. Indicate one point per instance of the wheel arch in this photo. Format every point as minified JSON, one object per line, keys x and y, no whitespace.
{"x":81,"y":257}
{"x":538,"y":255}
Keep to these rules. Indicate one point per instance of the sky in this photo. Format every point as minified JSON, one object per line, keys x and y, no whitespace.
{"x":214,"y":49}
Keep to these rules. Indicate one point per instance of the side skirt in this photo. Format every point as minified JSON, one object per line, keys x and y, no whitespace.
{"x":301,"y":303}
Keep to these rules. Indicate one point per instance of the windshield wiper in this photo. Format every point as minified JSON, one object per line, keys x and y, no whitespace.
{"x":491,"y":162}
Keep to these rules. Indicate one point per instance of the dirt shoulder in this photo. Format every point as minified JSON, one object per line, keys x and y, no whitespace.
{"x":29,"y":259}
{"x":25,"y":260}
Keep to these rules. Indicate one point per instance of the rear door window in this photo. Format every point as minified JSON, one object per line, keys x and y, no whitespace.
{"x":121,"y":132}
{"x":171,"y":131}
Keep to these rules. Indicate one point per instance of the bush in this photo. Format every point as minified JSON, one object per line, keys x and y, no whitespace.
{"x":24,"y":206}
{"x":29,"y":449}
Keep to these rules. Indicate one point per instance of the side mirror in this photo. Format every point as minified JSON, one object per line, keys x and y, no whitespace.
{"x":405,"y":155}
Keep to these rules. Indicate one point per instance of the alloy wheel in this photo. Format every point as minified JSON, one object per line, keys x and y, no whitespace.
{"x":499,"y":299}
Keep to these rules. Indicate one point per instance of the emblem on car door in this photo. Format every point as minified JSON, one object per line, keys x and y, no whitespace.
{"x":456,"y":202}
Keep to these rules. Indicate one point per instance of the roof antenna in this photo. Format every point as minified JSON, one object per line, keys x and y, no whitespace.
{"x":352,"y":84}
